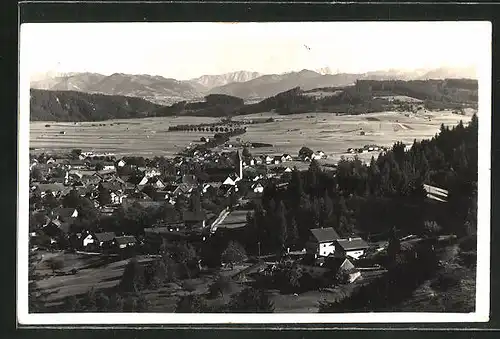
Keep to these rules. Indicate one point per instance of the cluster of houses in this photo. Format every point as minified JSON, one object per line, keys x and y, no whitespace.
{"x":332,"y":252}
{"x":367,"y":149}
{"x":318,"y":155}
{"x":148,"y":186}
{"x":226,"y":174}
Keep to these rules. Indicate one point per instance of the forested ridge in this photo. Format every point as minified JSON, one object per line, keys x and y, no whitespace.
{"x":365,"y":97}
{"x":374,"y":198}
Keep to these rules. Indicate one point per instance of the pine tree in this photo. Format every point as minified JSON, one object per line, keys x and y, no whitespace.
{"x":281,"y":224}
{"x":133,"y":277}
{"x":394,"y":246}
{"x":292,"y":232}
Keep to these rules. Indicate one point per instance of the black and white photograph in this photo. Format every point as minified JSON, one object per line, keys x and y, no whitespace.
{"x":305,"y":172}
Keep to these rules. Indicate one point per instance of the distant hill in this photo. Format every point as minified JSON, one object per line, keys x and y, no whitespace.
{"x":48,"y":105}
{"x":270,"y":85}
{"x":215,"y":105}
{"x":448,"y":72}
{"x":208,"y":82}
{"x":363,"y":97}
{"x":153,"y":88}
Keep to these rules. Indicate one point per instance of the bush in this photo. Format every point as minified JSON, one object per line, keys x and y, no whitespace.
{"x":191,"y":304}
{"x":445,"y":281}
{"x":251,"y":301}
{"x":55,"y":264}
{"x":221,"y":285}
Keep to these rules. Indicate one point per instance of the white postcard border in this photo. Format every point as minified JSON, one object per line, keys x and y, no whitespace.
{"x":483,"y":234}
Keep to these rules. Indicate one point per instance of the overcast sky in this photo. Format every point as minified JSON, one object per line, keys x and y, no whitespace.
{"x":187,"y":50}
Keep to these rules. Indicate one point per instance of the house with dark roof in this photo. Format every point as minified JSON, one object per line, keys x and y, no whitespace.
{"x":183,"y":189}
{"x":99,"y":240}
{"x":125,"y":241}
{"x":322,"y":241}
{"x":64,"y":214}
{"x":56,"y":228}
{"x":350,"y":247}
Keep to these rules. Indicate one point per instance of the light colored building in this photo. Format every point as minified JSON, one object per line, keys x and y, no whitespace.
{"x":322,"y":241}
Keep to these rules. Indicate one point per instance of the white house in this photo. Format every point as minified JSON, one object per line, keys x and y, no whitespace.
{"x":351,"y":247}
{"x":286,"y":157}
{"x":267,"y":159}
{"x":288,"y":170}
{"x":322,"y":241}
{"x":121,"y":163}
{"x":258,"y":188}
{"x":152,"y":172}
{"x":231,"y":180}
{"x":117,"y":197}
{"x":99,"y":239}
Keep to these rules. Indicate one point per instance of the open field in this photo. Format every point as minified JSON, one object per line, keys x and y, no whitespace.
{"x":334,"y":134}
{"x":235,"y":219}
{"x":105,"y":276}
{"x":322,"y":131}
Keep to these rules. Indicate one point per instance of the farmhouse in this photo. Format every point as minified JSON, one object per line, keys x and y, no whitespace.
{"x":125,"y":241}
{"x":351,"y":247}
{"x":56,"y":228}
{"x":99,"y":240}
{"x":322,"y":241}
{"x":257,"y":188}
{"x":342,"y":266}
{"x":286,"y":157}
{"x":231,"y":180}
{"x":267,"y":159}
{"x":277,"y":160}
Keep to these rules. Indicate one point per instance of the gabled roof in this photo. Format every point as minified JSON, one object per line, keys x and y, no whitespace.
{"x":56,"y":222}
{"x":337,"y":263}
{"x":194,"y":216}
{"x":105,"y":236}
{"x":352,"y":244}
{"x":126,"y":239}
{"x":63,"y":213}
{"x":183,"y":188}
{"x":324,"y":234}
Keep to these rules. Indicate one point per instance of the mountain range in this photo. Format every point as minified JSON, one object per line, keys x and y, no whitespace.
{"x":242,"y":84}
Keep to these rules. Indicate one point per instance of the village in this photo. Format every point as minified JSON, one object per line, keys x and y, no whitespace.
{"x":222,"y":186}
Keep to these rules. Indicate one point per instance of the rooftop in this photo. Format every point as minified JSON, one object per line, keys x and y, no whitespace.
{"x":352,"y":244}
{"x":324,"y":234}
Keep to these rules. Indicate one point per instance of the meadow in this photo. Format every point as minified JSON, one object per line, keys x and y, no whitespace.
{"x":328,"y":132}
